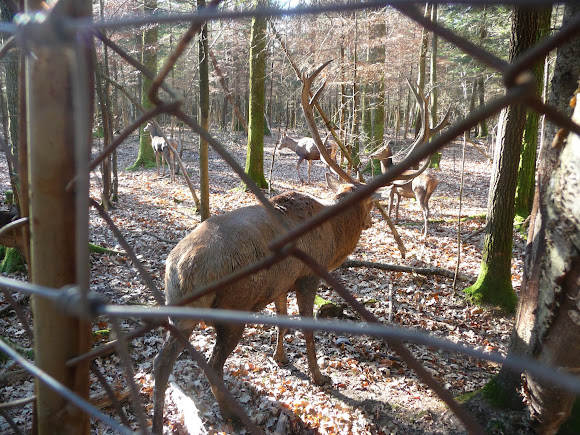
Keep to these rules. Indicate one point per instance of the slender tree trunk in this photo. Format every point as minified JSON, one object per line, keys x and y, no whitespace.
{"x":436,"y":157}
{"x":422,"y":64}
{"x":146,"y":156}
{"x":203,"y":117}
{"x":482,"y":130}
{"x":354,"y":150}
{"x":255,"y":154}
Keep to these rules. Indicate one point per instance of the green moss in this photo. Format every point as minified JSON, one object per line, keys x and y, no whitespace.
{"x":493,"y":287}
{"x":25,"y":352}
{"x":435,"y":162}
{"x":12,"y":261}
{"x":147,"y":164}
{"x":318,"y":301}
{"x":494,"y":394}
{"x":572,"y":425}
{"x":100,"y":250}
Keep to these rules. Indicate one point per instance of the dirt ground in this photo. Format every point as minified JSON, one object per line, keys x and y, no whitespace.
{"x":372,"y":390}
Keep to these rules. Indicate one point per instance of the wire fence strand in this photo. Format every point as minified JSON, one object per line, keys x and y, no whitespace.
{"x":518,"y":90}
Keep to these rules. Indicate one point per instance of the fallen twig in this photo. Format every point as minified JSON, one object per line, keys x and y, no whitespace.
{"x":407,"y":269}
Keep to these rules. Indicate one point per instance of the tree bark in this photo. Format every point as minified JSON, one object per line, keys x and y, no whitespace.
{"x":203,"y":117}
{"x":544,"y":297}
{"x":494,"y":282}
{"x":146,"y":156}
{"x":527,"y":168}
{"x":255,"y":154}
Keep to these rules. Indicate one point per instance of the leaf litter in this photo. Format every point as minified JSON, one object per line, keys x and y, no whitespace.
{"x":372,"y":391}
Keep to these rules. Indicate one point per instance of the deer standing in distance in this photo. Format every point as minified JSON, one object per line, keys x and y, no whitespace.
{"x":420,"y":187}
{"x":226,"y":243}
{"x":418,"y":184}
{"x":306,"y":149}
{"x":161,"y":149}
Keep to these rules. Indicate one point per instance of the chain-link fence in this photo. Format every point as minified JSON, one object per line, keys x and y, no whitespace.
{"x":55,"y":44}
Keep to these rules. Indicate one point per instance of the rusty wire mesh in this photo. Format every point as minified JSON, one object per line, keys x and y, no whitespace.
{"x":80,"y":302}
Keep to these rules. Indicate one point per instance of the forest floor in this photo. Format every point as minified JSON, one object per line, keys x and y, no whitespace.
{"x":372,"y":391}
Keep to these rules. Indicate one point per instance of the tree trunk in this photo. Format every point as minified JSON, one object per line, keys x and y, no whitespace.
{"x":494,"y":282}
{"x":422,"y":64}
{"x":256,"y":116}
{"x":146,"y":156}
{"x":355,"y":145}
{"x":436,"y":157}
{"x":527,"y":168}
{"x":545,"y":327}
{"x":482,"y":126}
{"x":203,"y":117}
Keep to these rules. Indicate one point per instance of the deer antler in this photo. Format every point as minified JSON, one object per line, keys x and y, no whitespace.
{"x":307,"y":106}
{"x":425,"y":133}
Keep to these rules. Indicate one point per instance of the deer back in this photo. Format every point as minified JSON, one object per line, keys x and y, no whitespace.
{"x":226,"y":243}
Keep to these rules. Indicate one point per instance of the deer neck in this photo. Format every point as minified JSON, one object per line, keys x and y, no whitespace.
{"x":386,"y":164}
{"x":289,"y":143}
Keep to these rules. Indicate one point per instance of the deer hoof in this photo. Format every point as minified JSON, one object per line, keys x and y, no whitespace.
{"x":321,"y":379}
{"x":282,"y":360}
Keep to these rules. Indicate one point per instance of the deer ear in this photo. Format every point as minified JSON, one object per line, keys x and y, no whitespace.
{"x":332,"y":182}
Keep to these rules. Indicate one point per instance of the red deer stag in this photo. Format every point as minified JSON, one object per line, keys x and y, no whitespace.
{"x":414,"y":183}
{"x":420,"y":187}
{"x":306,"y":149}
{"x":161,"y":149}
{"x":227,"y":243}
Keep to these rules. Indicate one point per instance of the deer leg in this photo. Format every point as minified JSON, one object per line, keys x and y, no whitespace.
{"x":305,"y":294}
{"x":162,"y":368}
{"x":228,"y":337}
{"x":423,"y":200}
{"x":157,"y":162}
{"x":397,"y":208}
{"x":167,"y":157}
{"x":281,"y":309}
{"x":309,"y":168}
{"x":298,"y":169}
{"x":391,"y":198}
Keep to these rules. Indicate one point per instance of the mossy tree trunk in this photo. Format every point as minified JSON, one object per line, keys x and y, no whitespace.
{"x":12,"y":260}
{"x":203,"y":117}
{"x":256,"y":117}
{"x":527,"y":169}
{"x":435,"y":157}
{"x":543,"y":328}
{"x":423,"y":47}
{"x":146,"y":156}
{"x":494,"y":283}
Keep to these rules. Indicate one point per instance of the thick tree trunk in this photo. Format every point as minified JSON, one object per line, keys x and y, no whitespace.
{"x":527,"y":168}
{"x":494,"y":282}
{"x":543,"y":307}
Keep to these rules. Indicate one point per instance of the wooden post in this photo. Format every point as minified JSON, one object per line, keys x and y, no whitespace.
{"x":52,"y":116}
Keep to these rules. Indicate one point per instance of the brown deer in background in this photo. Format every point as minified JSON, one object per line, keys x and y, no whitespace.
{"x":229,"y":242}
{"x":161,"y":149}
{"x":306,"y":149}
{"x":420,"y":187}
